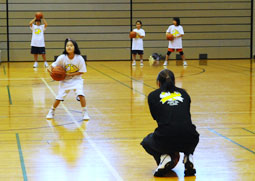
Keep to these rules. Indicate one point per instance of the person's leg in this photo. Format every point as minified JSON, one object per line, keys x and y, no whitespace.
{"x":147,"y":145}
{"x":167,"y":57}
{"x":36,"y":60}
{"x":60,"y":97}
{"x":188,"y":158}
{"x":84,"y":108}
{"x":183,"y":58}
{"x":141,"y":57}
{"x":134,"y":59}
{"x":51,"y":112}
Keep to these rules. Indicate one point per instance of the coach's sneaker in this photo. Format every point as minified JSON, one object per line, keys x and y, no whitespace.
{"x":46,"y":64}
{"x":85,"y":115}
{"x":163,"y":166}
{"x":165,"y":63}
{"x":185,"y":63}
{"x":35,"y":65}
{"x":189,"y":165}
{"x":134,"y":63}
{"x":51,"y":114}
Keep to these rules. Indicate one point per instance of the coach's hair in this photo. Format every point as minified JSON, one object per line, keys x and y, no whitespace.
{"x":76,"y":47}
{"x":167,"y":80}
{"x":139,"y":21}
{"x":178,"y":21}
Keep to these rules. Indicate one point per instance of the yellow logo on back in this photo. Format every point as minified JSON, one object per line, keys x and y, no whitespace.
{"x":171,"y":98}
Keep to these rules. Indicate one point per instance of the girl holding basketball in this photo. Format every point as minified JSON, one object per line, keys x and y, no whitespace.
{"x":176,"y":44}
{"x":37,"y":42}
{"x":137,"y":44}
{"x":170,"y":107}
{"x":75,"y":66}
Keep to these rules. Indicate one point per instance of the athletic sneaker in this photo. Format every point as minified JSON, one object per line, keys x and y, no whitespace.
{"x":35,"y":65}
{"x":189,"y":165}
{"x":163,"y":166}
{"x":46,"y":64}
{"x":141,"y":64}
{"x":134,"y":63}
{"x":185,"y":63}
{"x":86,"y":115}
{"x":165,"y":63}
{"x":50,"y":115}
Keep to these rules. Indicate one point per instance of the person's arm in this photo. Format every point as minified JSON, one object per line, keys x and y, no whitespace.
{"x":152,"y":106}
{"x":45,"y":23}
{"x":74,"y":73}
{"x":179,"y":36}
{"x":32,"y":22}
{"x":168,"y":31}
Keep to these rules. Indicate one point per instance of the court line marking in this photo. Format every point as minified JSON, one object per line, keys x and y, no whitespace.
{"x":248,"y":130}
{"x":9,"y":94}
{"x":22,"y":163}
{"x":117,"y":81}
{"x":142,"y":82}
{"x":232,"y":141}
{"x":104,"y":159}
{"x":4,"y":70}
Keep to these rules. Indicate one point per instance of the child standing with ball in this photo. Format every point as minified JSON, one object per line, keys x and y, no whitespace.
{"x":37,"y":42}
{"x":176,"y":44}
{"x":75,"y":66}
{"x":137,"y":44}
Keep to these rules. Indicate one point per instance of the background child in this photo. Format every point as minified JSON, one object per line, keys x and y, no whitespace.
{"x":37,"y":42}
{"x":74,"y":65}
{"x":175,"y":45}
{"x":137,"y":45}
{"x":170,"y":107}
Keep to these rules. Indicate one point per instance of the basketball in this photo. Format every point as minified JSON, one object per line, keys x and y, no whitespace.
{"x":132,"y":34}
{"x":58,"y":73}
{"x":170,"y":37}
{"x":175,"y":159}
{"x":38,"y":15}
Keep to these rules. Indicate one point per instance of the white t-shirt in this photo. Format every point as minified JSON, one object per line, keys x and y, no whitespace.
{"x":176,"y":31}
{"x":138,"y":42}
{"x":77,"y":64}
{"x":38,"y":35}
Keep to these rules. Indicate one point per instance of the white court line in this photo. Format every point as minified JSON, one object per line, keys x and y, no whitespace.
{"x":106,"y":162}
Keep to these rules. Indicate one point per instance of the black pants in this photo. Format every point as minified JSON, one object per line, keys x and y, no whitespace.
{"x":153,"y":149}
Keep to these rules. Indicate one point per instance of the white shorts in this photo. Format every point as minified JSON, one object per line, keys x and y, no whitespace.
{"x":66,"y":86}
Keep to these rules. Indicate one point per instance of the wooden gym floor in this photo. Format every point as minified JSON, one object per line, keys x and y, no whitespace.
{"x":108,"y":146}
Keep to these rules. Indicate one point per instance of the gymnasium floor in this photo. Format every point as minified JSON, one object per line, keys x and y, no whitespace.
{"x":108,"y":146}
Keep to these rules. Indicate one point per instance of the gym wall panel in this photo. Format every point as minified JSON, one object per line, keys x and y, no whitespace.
{"x":3,"y":31}
{"x":210,"y":26}
{"x":100,"y":27}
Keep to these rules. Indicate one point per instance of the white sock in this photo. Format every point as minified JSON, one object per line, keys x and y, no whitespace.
{"x":141,"y":60}
{"x":84,"y":109}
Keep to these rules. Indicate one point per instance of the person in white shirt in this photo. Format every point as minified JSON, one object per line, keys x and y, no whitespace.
{"x":75,"y":66}
{"x":176,"y":44}
{"x":37,"y":42}
{"x":137,"y":44}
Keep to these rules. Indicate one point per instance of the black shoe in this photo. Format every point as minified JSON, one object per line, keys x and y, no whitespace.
{"x":189,"y":167}
{"x":164,"y":166}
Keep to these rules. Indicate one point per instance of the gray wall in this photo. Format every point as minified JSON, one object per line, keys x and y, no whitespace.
{"x":3,"y":37}
{"x":219,"y":28}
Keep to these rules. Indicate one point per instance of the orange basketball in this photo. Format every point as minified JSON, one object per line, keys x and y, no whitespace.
{"x":58,"y":73}
{"x":132,"y":34}
{"x":170,"y":37}
{"x":38,"y":15}
{"x":175,"y":159}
